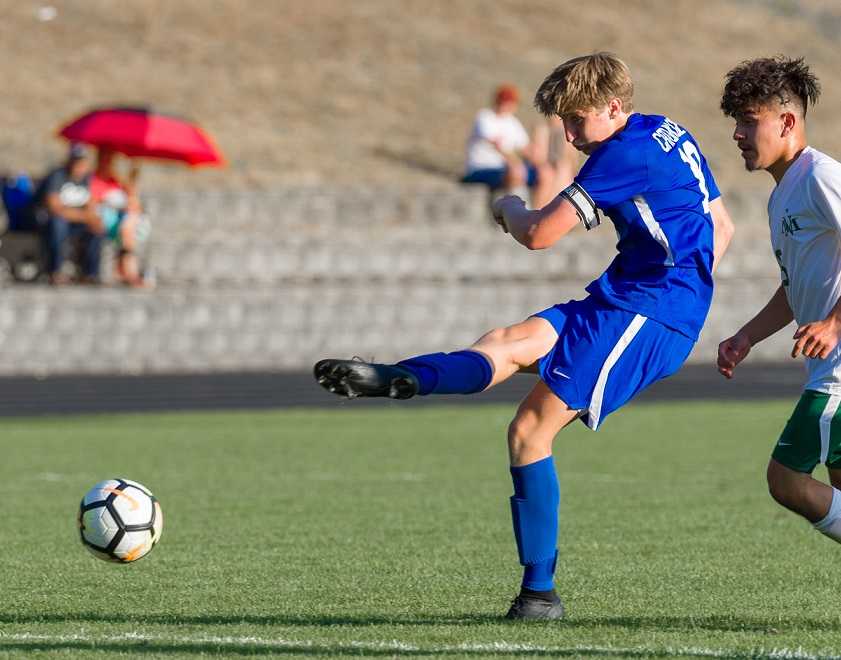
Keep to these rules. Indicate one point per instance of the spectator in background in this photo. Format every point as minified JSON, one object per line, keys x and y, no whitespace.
{"x":62,"y":204}
{"x":118,"y":204}
{"x":498,"y":145}
{"x":555,"y":158}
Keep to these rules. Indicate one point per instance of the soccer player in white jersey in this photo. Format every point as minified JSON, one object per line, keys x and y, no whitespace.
{"x":768,"y":98}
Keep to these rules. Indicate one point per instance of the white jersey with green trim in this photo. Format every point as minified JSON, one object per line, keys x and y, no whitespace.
{"x":804,"y":214}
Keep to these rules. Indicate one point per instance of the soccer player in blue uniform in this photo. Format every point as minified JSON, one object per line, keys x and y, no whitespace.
{"x":638,"y":324}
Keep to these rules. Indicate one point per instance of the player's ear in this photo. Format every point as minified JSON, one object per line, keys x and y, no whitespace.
{"x":614,"y":107}
{"x":789,"y":121}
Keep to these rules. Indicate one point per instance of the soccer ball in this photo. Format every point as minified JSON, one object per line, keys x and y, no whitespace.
{"x":120,"y":520}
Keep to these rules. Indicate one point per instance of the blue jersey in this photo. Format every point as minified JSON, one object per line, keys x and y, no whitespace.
{"x":653,"y":182}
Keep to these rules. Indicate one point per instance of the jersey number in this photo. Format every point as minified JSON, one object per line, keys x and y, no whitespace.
{"x":783,"y":271}
{"x":689,"y":155}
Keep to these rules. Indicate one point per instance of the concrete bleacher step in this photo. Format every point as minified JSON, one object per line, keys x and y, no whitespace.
{"x":256,"y":261}
{"x":314,"y":212}
{"x":180,"y":329}
{"x":277,"y":280}
{"x":361,"y":234}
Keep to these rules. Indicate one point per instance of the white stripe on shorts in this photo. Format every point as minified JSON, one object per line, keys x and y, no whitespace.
{"x":826,"y":423}
{"x":595,"y":410}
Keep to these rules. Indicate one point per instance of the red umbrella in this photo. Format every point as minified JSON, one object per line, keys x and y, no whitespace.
{"x":144,"y":133}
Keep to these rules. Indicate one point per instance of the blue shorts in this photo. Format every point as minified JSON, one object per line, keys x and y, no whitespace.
{"x":494,"y":177}
{"x":605,"y":355}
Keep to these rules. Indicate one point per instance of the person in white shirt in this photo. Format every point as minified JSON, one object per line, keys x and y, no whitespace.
{"x":554,"y":157}
{"x":768,"y":99}
{"x":498,"y":145}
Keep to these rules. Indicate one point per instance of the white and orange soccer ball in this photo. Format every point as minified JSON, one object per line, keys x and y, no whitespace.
{"x":120,"y":520}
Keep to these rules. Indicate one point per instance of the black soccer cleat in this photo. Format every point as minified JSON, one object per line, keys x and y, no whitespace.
{"x":353,"y":378}
{"x":533,"y":608}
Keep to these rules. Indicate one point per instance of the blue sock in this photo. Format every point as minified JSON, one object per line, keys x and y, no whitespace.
{"x":462,"y":372}
{"x":534,"y":511}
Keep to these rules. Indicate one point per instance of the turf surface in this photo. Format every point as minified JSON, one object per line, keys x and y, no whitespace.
{"x":385,"y":533}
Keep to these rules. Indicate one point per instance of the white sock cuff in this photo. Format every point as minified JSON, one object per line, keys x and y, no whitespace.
{"x":834,"y":512}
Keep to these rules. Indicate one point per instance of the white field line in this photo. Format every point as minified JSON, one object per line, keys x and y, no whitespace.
{"x":234,"y":643}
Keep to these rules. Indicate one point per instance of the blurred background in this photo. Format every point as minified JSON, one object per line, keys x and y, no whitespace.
{"x":338,"y":225}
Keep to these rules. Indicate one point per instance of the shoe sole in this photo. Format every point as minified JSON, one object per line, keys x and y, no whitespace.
{"x":342,"y":377}
{"x":555,"y":613}
{"x":552,"y":617}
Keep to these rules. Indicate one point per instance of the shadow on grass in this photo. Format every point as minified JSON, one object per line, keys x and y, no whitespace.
{"x":317,"y":650}
{"x":279,"y":648}
{"x":655,"y":623}
{"x":252,"y":619}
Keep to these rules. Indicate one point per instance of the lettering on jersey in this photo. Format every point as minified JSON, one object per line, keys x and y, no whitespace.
{"x":668,"y":134}
{"x":790,"y":225}
{"x":690,"y":155}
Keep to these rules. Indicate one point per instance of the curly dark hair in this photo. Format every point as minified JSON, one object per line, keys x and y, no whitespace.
{"x":761,"y":81}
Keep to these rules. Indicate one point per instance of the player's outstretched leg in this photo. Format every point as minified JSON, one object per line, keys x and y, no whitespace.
{"x":493,"y":358}
{"x":462,"y":372}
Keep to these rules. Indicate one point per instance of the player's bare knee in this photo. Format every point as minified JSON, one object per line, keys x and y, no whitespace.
{"x":495,"y":336}
{"x":523,"y":435}
{"x":785,"y":490}
{"x":519,"y":430}
{"x":496,"y":344}
{"x":780,"y":494}
{"x":776,"y":485}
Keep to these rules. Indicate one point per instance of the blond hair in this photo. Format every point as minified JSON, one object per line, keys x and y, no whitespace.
{"x":584,"y":83}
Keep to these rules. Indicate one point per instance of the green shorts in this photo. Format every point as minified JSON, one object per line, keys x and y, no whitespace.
{"x":812,"y":434}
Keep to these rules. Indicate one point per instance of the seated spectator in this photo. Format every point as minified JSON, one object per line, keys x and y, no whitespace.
{"x":62,"y":205}
{"x":498,"y":146}
{"x":118,"y":204}
{"x":555,"y":158}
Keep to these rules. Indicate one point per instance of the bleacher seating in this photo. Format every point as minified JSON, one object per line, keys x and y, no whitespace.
{"x":275,"y":280}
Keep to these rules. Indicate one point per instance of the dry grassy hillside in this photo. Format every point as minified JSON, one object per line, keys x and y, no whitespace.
{"x":351,"y":91}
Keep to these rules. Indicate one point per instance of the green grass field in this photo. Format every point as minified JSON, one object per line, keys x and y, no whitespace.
{"x":385,"y":533}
